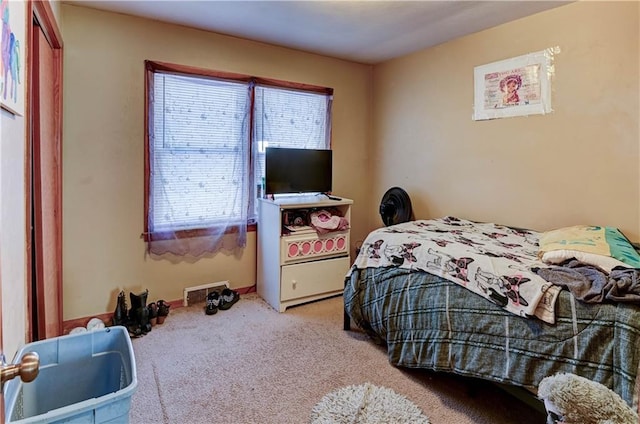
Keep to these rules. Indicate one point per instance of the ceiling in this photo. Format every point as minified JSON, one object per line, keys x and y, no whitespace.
{"x":361,"y":31}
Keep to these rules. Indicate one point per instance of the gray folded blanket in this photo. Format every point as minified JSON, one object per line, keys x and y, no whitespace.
{"x":592,"y":285}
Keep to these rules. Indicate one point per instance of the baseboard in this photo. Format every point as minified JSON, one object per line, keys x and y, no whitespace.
{"x":106,"y":317}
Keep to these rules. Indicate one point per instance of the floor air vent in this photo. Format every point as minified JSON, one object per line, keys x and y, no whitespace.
{"x":198,"y":294}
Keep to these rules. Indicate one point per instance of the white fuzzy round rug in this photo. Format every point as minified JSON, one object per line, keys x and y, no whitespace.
{"x":366,"y":403}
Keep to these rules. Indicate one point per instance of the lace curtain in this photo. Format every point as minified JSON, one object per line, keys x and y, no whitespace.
{"x":198,"y":164}
{"x":206,"y":132}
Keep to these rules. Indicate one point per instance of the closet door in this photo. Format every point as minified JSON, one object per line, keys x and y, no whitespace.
{"x":47,"y":179}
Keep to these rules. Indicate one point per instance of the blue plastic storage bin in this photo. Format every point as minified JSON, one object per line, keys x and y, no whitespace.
{"x":84,"y":378}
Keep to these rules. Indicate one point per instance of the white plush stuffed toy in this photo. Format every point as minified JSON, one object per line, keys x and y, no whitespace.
{"x":572,"y":399}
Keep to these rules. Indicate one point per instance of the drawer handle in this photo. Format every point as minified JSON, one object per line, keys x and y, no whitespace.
{"x":294,"y":284}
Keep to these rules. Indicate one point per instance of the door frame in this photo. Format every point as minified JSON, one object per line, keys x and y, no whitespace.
{"x":41,"y":11}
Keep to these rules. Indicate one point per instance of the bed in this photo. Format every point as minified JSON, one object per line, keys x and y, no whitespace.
{"x":476,"y":299}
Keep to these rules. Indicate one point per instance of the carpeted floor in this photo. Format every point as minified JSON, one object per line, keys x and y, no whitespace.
{"x":251,"y":364}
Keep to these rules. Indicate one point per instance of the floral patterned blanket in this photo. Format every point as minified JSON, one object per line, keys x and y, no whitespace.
{"x":493,"y":261}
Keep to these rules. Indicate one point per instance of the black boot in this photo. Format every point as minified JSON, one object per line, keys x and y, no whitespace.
{"x":120,"y":314}
{"x":139,"y":314}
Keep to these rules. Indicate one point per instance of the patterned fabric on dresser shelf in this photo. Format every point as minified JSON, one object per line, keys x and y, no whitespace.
{"x":429,"y":322}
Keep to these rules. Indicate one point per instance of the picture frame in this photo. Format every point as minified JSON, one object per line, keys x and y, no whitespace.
{"x":12,"y":56}
{"x":518,"y":86}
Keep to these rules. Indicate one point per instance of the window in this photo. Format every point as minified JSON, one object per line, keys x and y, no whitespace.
{"x":289,"y":118}
{"x":205,"y":137}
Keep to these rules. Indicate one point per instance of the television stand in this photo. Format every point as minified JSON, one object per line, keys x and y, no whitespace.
{"x":298,"y":265}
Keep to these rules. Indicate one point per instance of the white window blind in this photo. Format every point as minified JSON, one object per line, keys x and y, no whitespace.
{"x":289,"y":118}
{"x":199,"y":151}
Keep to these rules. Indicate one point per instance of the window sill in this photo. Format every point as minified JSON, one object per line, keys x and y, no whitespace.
{"x":201,"y":232}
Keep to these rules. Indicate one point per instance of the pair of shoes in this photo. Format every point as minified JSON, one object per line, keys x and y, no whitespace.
{"x":136,"y":319}
{"x":222,"y":301}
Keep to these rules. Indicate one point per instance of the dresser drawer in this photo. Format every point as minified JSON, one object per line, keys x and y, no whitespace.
{"x":308,"y":246}
{"x":311,"y":278}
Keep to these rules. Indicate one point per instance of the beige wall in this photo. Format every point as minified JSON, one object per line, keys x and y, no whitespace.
{"x":577,"y":165}
{"x":104,"y":147}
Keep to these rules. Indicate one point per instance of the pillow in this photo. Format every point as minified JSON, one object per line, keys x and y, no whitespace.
{"x":604,"y":247}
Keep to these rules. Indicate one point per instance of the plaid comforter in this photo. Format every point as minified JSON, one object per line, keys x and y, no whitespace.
{"x":429,"y":322}
{"x":493,"y":261}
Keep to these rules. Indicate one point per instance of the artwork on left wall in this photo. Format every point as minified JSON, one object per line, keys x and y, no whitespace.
{"x":519,"y":86}
{"x":12,"y":58}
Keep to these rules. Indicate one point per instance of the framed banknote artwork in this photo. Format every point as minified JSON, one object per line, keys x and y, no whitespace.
{"x":518,"y":86}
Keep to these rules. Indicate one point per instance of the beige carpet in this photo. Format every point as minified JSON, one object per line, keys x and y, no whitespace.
{"x":251,"y":364}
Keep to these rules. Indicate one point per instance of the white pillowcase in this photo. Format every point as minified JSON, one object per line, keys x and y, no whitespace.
{"x":605,"y":263}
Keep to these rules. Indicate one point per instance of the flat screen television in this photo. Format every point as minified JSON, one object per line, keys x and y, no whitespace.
{"x":297,"y":170}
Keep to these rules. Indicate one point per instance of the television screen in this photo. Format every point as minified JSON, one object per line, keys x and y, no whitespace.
{"x":297,"y":170}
